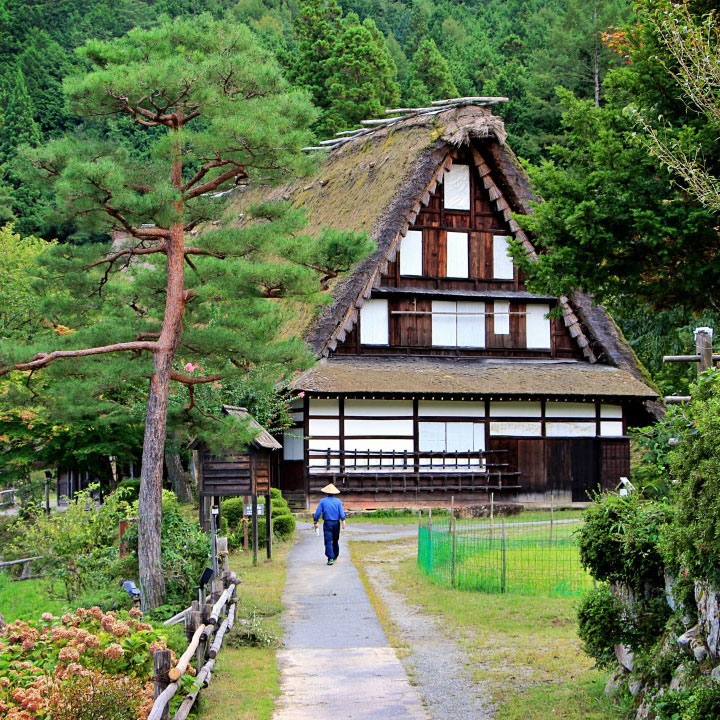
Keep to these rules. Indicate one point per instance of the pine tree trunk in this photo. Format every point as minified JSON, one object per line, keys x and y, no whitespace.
{"x":3,"y":624}
{"x":179,"y":480}
{"x":152,"y":582}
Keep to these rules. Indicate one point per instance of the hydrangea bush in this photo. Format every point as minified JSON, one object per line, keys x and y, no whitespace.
{"x":85,"y":660}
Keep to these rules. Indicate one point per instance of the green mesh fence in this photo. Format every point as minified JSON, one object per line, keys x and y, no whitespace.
{"x":524,"y":558}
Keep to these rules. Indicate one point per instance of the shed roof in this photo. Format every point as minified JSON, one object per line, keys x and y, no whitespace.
{"x":487,"y":377}
{"x":263,"y":439}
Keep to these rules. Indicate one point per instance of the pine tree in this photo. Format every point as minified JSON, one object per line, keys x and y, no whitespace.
{"x":430,"y":75}
{"x":194,"y":311}
{"x":18,"y":126}
{"x":317,"y":28}
{"x":362,"y":83}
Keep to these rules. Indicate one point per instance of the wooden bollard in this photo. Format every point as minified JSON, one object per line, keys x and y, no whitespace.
{"x":161,"y":667}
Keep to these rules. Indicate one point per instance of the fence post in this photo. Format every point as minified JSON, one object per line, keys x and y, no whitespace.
{"x":430,"y":542}
{"x":552,"y":513}
{"x":503,"y":579}
{"x":161,"y":666}
{"x":492,"y":516}
{"x":453,"y":567}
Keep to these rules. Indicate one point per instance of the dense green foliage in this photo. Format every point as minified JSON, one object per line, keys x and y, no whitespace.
{"x":600,"y":625}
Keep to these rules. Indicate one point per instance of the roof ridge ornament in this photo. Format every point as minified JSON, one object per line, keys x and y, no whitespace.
{"x":401,"y":114}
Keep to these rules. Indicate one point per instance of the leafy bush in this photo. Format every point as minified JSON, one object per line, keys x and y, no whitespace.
{"x":699,"y":702}
{"x":600,"y":625}
{"x":49,"y":665}
{"x":232,"y":510}
{"x":276,"y":494}
{"x":280,"y":510}
{"x":253,"y":632}
{"x":283,"y":526}
{"x":690,"y":542}
{"x":619,"y":541}
{"x":130,"y":489}
{"x":94,"y":695}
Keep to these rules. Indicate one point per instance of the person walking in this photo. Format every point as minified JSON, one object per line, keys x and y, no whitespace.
{"x":333,"y":513}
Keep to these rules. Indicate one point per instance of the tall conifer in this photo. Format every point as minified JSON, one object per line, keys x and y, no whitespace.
{"x":18,"y":123}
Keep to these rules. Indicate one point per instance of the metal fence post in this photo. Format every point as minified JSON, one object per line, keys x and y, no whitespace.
{"x":453,"y":568}
{"x":503,"y":579}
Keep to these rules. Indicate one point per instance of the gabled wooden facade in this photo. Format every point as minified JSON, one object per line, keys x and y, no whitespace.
{"x":438,"y":372}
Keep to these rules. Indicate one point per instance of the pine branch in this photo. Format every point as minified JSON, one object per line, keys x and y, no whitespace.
{"x":42,"y":359}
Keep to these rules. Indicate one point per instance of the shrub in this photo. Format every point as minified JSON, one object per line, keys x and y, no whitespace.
{"x":600,"y":625}
{"x":276,"y":494}
{"x":232,"y":510}
{"x":280,"y":510}
{"x":283,"y":526}
{"x":619,"y":541}
{"x":699,"y":702}
{"x":97,"y":696}
{"x":690,"y":542}
{"x":129,"y":488}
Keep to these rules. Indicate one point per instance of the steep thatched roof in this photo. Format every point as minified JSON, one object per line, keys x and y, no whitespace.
{"x":263,"y":439}
{"x":378,"y":182}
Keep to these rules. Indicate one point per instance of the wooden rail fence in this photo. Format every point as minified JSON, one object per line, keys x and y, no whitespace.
{"x":215,"y":618}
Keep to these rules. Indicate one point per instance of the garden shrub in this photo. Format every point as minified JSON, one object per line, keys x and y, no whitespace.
{"x":232,"y":510}
{"x":600,"y":625}
{"x":95,"y":696}
{"x":49,"y":666}
{"x":619,"y":541}
{"x":283,"y":526}
{"x":276,"y":494}
{"x":129,"y":488}
{"x":280,"y":510}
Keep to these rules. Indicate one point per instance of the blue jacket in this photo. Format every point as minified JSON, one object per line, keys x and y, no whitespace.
{"x":331,"y":509}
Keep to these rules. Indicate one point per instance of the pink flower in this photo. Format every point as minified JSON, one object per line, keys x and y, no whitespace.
{"x":301,"y":394}
{"x":189,"y":367}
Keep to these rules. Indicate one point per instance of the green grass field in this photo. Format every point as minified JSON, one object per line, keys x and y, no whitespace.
{"x":28,"y":599}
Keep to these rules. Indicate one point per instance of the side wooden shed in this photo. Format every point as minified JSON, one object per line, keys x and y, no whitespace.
{"x":245,"y":473}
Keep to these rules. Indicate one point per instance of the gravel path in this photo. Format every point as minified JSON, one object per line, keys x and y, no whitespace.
{"x":336,"y":662}
{"x":438,"y":665}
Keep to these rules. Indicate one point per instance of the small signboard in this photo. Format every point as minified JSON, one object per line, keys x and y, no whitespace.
{"x":260,"y":510}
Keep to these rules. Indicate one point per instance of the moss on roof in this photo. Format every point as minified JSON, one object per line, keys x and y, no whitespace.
{"x":423,"y":376}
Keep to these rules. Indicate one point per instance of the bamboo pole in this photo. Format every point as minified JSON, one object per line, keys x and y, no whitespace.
{"x":215,"y":647}
{"x":180,"y":617}
{"x":220,"y":604}
{"x":182,"y":664}
{"x":201,"y":681}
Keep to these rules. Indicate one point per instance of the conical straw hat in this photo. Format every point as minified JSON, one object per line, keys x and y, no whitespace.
{"x":330,"y":490}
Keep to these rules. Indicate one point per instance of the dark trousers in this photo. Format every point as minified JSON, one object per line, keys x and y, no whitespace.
{"x":331,"y":531}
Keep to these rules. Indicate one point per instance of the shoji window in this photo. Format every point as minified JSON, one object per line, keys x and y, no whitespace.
{"x":611,"y":424}
{"x":502,"y":262}
{"x":457,"y":255}
{"x":583,"y":424}
{"x":458,"y":324}
{"x":293,"y":444}
{"x":451,"y":437}
{"x":374,"y":322}
{"x":411,"y":253}
{"x":456,"y":186}
{"x":501,"y":316}
{"x":537,"y":326}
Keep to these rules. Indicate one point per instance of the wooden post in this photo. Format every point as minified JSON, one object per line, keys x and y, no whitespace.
{"x":246,"y":539}
{"x":48,"y":478}
{"x":268,"y":525}
{"x":161,"y":666}
{"x":213,"y":539}
{"x":703,"y":347}
{"x":255,"y":529}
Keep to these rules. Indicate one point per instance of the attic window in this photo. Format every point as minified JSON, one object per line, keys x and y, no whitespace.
{"x":411,"y":253}
{"x":538,"y":326}
{"x":374,"y":328}
{"x":457,"y":188}
{"x":458,"y":324}
{"x":502,"y":262}
{"x":457,"y":255}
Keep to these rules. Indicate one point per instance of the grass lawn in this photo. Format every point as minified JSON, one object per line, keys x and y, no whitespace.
{"x":27,"y":599}
{"x":525,"y":648}
{"x":245,"y":681}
